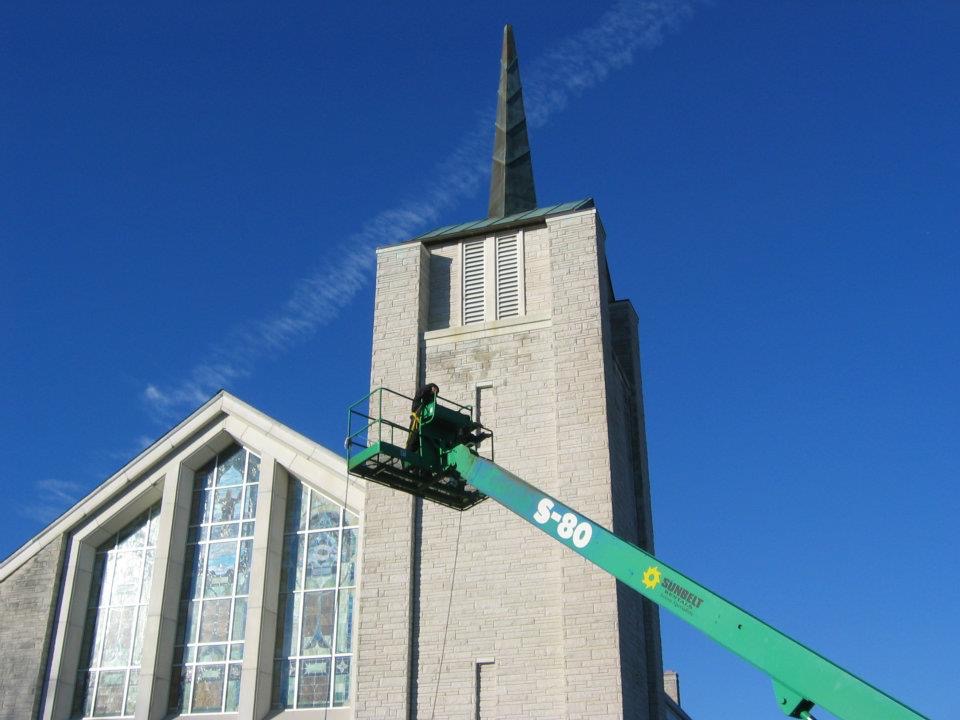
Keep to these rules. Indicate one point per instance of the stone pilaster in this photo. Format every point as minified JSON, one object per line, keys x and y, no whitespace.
{"x":591,"y":642}
{"x":385,"y":651}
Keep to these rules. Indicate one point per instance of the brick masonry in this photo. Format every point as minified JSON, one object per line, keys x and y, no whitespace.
{"x":26,"y":620}
{"x":441,"y":589}
{"x":671,"y":685}
{"x":384,"y":631}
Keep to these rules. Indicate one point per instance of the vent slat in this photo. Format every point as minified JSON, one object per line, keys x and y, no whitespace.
{"x":508,"y":277}
{"x":473,"y":282}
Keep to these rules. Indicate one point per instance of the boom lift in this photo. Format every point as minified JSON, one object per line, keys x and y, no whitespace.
{"x":443,"y":465}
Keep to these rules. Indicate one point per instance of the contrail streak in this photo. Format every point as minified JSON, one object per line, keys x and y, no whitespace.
{"x":572,"y":66}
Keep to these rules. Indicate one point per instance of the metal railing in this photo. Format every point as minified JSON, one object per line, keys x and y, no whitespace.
{"x":366,"y":424}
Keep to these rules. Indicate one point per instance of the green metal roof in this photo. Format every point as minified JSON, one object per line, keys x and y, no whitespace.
{"x":525,"y":218}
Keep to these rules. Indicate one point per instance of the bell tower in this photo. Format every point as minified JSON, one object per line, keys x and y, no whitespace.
{"x":476,"y":614}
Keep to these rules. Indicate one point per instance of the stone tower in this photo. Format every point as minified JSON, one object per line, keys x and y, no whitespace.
{"x":475,"y":614}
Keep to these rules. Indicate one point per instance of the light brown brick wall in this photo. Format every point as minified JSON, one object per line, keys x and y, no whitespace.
{"x":484,"y":584}
{"x":626,"y":347}
{"x":591,"y":648}
{"x":505,"y":603}
{"x":26,"y":619}
{"x":386,"y":585}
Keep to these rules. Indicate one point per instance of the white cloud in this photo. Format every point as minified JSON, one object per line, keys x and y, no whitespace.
{"x":51,"y":498}
{"x":587,"y":58}
{"x":574,"y":65}
{"x":136,"y":446}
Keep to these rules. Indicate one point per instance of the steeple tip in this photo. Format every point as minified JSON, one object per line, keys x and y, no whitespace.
{"x":511,"y":181}
{"x":509,"y":45}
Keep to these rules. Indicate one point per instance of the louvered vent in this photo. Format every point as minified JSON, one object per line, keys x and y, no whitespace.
{"x":473,"y":295}
{"x":508,"y":278}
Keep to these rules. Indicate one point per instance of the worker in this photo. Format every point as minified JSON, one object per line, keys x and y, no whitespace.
{"x":425,"y":395}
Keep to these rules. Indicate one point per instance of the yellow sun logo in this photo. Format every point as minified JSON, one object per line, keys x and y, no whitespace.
{"x":651,"y":578}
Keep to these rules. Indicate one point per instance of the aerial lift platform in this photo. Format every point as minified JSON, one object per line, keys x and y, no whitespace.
{"x":436,"y":457}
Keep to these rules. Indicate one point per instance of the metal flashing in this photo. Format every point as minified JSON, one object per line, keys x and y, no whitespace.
{"x":527,"y":217}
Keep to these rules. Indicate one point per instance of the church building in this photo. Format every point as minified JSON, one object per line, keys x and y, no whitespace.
{"x":234,"y":569}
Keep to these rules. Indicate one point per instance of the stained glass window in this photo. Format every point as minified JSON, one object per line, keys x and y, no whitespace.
{"x":116,"y":615}
{"x":213,"y":603}
{"x":318,"y":579}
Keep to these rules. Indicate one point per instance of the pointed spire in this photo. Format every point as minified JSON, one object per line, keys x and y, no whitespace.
{"x":511,"y":183}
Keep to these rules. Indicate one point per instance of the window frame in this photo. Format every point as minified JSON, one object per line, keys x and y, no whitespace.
{"x":319,"y":482}
{"x":227,"y":663}
{"x":166,"y":474}
{"x":491,"y":279}
{"x":338,"y":588}
{"x":521,"y":279}
{"x":67,"y":637}
{"x":486,"y":268}
{"x":106,"y":607}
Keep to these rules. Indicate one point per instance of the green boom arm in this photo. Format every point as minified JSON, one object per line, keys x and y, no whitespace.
{"x":801,"y":677}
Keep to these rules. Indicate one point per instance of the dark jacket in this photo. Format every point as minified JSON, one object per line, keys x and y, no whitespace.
{"x":424,"y":395}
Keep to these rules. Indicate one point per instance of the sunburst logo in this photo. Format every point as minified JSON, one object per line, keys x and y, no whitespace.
{"x":651,"y":578}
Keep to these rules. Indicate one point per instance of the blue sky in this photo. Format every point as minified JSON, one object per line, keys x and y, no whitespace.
{"x":189,"y":197}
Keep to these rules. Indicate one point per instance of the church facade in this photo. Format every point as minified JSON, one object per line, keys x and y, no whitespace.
{"x":215,"y":574}
{"x":234,"y":569}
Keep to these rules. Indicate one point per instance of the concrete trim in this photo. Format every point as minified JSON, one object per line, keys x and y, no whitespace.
{"x":129,"y":473}
{"x":332,"y":479}
{"x":277,"y":430}
{"x":340,"y":713}
{"x":261,"y":629}
{"x":568,"y":216}
{"x":492,"y":328}
{"x":68,"y":634}
{"x":471,"y":230}
{"x":156,"y":671}
{"x":80,"y":554}
{"x":223,"y":403}
{"x":399,"y":247}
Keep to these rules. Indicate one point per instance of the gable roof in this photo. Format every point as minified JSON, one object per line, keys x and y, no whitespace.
{"x":223,"y":407}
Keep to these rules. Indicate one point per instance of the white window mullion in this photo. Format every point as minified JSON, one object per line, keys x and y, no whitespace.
{"x":336,"y":612}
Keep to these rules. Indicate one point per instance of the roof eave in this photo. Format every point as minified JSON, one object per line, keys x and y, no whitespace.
{"x":487,"y":225}
{"x":220,"y":405}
